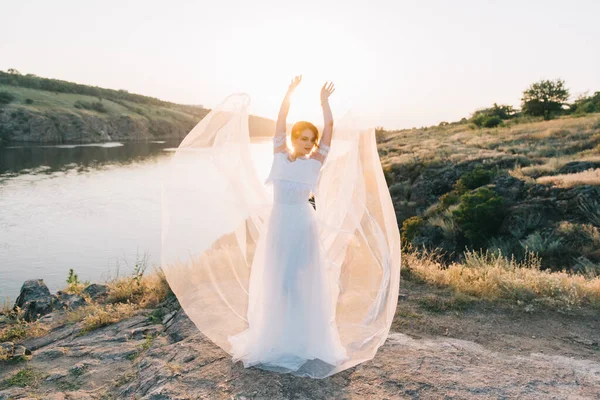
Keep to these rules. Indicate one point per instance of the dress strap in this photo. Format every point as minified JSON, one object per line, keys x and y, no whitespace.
{"x":323,"y":149}
{"x":278,"y":141}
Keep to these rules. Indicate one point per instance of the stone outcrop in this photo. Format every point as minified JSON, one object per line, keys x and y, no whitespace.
{"x":143,"y":358}
{"x":58,"y":126}
{"x":159,"y":353}
{"x":35,"y":300}
{"x":96,"y":291}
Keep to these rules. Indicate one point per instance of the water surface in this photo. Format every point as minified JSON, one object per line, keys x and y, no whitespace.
{"x":94,"y":208}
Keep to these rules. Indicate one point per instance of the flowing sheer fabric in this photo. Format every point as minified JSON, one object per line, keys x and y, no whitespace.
{"x":216,"y":209}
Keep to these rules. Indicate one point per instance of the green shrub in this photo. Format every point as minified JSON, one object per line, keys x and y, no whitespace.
{"x":587,"y":104}
{"x":389,"y":175}
{"x":492,"y":122}
{"x":95,"y":106}
{"x":75,"y":285}
{"x":411,"y":227}
{"x":28,"y":101}
{"x":493,"y":116}
{"x":479,"y":119}
{"x":479,"y":215}
{"x":474,"y":179}
{"x":450,"y":198}
{"x":399,"y":191}
{"x":6,"y":97}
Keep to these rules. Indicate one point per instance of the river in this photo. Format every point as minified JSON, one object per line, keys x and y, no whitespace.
{"x":94,"y":208}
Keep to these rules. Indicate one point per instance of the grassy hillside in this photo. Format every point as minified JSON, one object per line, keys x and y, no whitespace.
{"x":34,"y":109}
{"x":522,"y":189}
{"x":42,"y":100}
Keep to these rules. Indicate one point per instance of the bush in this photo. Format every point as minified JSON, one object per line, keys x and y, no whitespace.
{"x":449,"y":199}
{"x":411,"y":227}
{"x":28,"y":101}
{"x":493,"y":116}
{"x":492,"y":122}
{"x":479,"y":119}
{"x":587,"y":104}
{"x":6,"y":97}
{"x":479,"y":215}
{"x":95,"y":106}
{"x":75,"y":285}
{"x":388,"y":173}
{"x":399,"y":191}
{"x":474,"y":179}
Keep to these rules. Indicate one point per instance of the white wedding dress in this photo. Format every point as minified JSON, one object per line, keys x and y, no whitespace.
{"x":269,"y":279}
{"x":291,"y":318}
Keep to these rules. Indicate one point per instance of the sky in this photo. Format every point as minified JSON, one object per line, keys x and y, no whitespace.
{"x":395,"y":64}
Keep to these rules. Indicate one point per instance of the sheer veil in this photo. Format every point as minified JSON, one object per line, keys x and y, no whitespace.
{"x":214,"y":209}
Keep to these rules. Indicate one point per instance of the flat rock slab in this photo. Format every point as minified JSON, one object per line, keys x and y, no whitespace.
{"x":404,"y":368}
{"x":121,"y":362}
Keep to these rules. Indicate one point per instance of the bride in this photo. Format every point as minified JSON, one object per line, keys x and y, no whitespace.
{"x":275,"y":282}
{"x":290,"y":316}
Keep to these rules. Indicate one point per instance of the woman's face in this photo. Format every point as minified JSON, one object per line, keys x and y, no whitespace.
{"x":305,"y":142}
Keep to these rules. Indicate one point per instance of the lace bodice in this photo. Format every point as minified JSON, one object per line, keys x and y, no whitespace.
{"x":293,"y":181}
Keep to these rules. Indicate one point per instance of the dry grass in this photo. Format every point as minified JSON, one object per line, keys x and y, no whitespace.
{"x":94,"y":316}
{"x":546,"y":145}
{"x":6,"y":306}
{"x":126,"y":296}
{"x":20,"y":329}
{"x":589,"y":177}
{"x":145,"y":291}
{"x":4,"y":355}
{"x":550,"y":165}
{"x":493,"y":276}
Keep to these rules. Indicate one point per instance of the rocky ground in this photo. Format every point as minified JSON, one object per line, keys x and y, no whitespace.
{"x":438,"y":349}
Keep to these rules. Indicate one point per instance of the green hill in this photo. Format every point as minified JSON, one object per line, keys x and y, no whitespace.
{"x":34,"y":109}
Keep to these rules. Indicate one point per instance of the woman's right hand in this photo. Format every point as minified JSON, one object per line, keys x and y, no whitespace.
{"x":295,"y":82}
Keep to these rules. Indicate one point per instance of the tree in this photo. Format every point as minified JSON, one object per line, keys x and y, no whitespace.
{"x":545,"y":98}
{"x":13,"y":71}
{"x":587,"y":104}
{"x":493,"y":116}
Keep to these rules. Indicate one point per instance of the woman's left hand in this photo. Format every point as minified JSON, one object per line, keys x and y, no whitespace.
{"x":326,"y":91}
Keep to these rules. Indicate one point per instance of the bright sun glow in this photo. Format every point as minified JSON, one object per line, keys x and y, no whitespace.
{"x":268,"y":57}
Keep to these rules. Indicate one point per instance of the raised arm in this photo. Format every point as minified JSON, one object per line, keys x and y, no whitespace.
{"x":279,"y":144}
{"x":325,"y":141}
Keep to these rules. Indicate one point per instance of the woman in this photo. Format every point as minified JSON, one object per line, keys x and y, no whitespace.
{"x":304,"y":134}
{"x":291,"y":318}
{"x":271,"y":280}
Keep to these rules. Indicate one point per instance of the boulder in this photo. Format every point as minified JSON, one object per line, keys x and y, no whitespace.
{"x":69,"y":300}
{"x":96,"y":291}
{"x":35,"y":300}
{"x":33,"y":289}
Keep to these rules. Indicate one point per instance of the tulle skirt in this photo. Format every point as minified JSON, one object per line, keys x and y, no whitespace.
{"x":291,"y":313}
